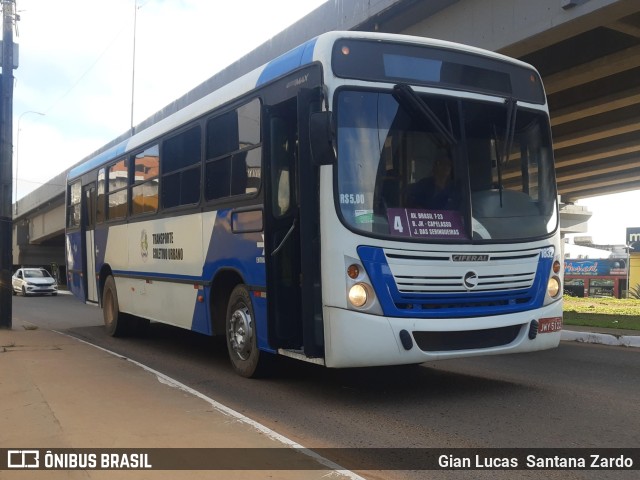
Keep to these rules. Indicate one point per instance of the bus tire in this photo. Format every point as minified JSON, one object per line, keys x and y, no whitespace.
{"x":241,"y":334}
{"x":115,"y":322}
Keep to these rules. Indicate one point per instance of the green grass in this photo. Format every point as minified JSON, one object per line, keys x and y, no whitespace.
{"x":602,"y":312}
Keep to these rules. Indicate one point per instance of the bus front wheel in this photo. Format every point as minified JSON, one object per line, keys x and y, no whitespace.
{"x":114,"y":319}
{"x":241,"y":334}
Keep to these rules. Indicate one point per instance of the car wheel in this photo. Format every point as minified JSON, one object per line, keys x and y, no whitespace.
{"x":24,"y":291}
{"x":245,"y":357}
{"x":115,"y":321}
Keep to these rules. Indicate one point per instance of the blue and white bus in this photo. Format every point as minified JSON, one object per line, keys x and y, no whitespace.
{"x":364,"y":199}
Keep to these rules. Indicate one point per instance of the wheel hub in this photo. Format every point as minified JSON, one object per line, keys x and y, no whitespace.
{"x":241,"y":333}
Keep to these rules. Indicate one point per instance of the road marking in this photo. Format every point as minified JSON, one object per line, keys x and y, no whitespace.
{"x":165,"y":379}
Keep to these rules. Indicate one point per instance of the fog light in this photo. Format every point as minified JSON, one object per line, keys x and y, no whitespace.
{"x":358,"y":295}
{"x":553,"y":287}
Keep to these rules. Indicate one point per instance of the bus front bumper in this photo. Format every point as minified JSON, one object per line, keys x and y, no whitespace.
{"x":355,"y":339}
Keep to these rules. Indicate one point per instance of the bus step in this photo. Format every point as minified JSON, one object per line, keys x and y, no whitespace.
{"x":299,"y":355}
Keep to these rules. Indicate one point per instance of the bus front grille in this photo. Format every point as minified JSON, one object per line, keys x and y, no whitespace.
{"x":446,"y":284}
{"x":438,"y":274}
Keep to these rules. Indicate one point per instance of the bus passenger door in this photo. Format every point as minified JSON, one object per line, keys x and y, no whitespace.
{"x":88,"y":231}
{"x":282,"y":233}
{"x":309,"y":101}
{"x":292,"y":242}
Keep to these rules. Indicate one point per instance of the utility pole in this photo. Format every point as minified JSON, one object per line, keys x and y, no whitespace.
{"x":6,"y":155}
{"x":133,"y":65}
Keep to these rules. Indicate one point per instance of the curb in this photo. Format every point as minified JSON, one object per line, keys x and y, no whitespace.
{"x":601,"y":338}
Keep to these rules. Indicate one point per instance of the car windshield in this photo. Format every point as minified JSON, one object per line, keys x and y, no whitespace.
{"x":35,"y":273}
{"x":435,"y":168}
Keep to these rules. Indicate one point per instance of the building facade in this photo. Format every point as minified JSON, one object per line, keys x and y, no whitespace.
{"x":604,"y":277}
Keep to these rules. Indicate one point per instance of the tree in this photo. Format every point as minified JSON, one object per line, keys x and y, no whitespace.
{"x":634,"y":292}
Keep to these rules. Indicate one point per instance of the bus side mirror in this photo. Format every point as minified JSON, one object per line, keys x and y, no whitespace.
{"x":321,"y":135}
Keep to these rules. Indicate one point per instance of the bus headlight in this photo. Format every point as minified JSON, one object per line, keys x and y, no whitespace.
{"x":358,"y":295}
{"x":553,"y":286}
{"x":358,"y":288}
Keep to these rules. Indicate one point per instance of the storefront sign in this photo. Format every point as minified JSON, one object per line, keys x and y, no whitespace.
{"x":595,"y":267}
{"x":633,"y":239}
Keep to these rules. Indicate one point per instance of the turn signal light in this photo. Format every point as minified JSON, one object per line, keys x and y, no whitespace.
{"x":353,"y":271}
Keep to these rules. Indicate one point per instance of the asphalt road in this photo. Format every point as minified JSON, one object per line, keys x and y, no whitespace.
{"x":578,"y":395}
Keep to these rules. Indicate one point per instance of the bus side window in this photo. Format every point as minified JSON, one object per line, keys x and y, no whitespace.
{"x":181,"y":169}
{"x":144,"y":192}
{"x":239,"y":173}
{"x":233,"y":153}
{"x":73,"y":219}
{"x":100,"y":213}
{"x":217,"y":175}
{"x":118,"y":184}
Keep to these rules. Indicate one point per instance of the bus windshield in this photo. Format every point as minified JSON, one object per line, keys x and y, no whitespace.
{"x":443,"y":169}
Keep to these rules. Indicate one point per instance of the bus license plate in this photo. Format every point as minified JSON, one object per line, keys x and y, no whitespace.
{"x":548,"y":325}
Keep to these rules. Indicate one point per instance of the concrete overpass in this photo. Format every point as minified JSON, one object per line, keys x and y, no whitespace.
{"x":588,"y":52}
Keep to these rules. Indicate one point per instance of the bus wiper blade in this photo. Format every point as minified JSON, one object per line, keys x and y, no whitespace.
{"x":512,"y":109}
{"x":498,"y":163}
{"x":510,"y":128}
{"x":410,"y":100}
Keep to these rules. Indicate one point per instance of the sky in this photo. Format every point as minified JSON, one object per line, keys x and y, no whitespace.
{"x":72,"y":91}
{"x":612,"y":215}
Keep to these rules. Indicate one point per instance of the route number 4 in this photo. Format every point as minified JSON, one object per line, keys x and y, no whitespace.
{"x":397,"y":224}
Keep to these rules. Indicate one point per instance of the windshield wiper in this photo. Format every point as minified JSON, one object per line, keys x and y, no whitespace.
{"x":510,"y":127}
{"x":412,"y":102}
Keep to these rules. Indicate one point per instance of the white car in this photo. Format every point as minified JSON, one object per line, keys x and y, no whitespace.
{"x":32,"y":281}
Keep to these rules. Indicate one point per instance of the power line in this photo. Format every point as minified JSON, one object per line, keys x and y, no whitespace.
{"x":86,"y":72}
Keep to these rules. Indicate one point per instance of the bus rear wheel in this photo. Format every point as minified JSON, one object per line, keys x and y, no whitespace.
{"x":115,"y":321}
{"x":241,"y":334}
